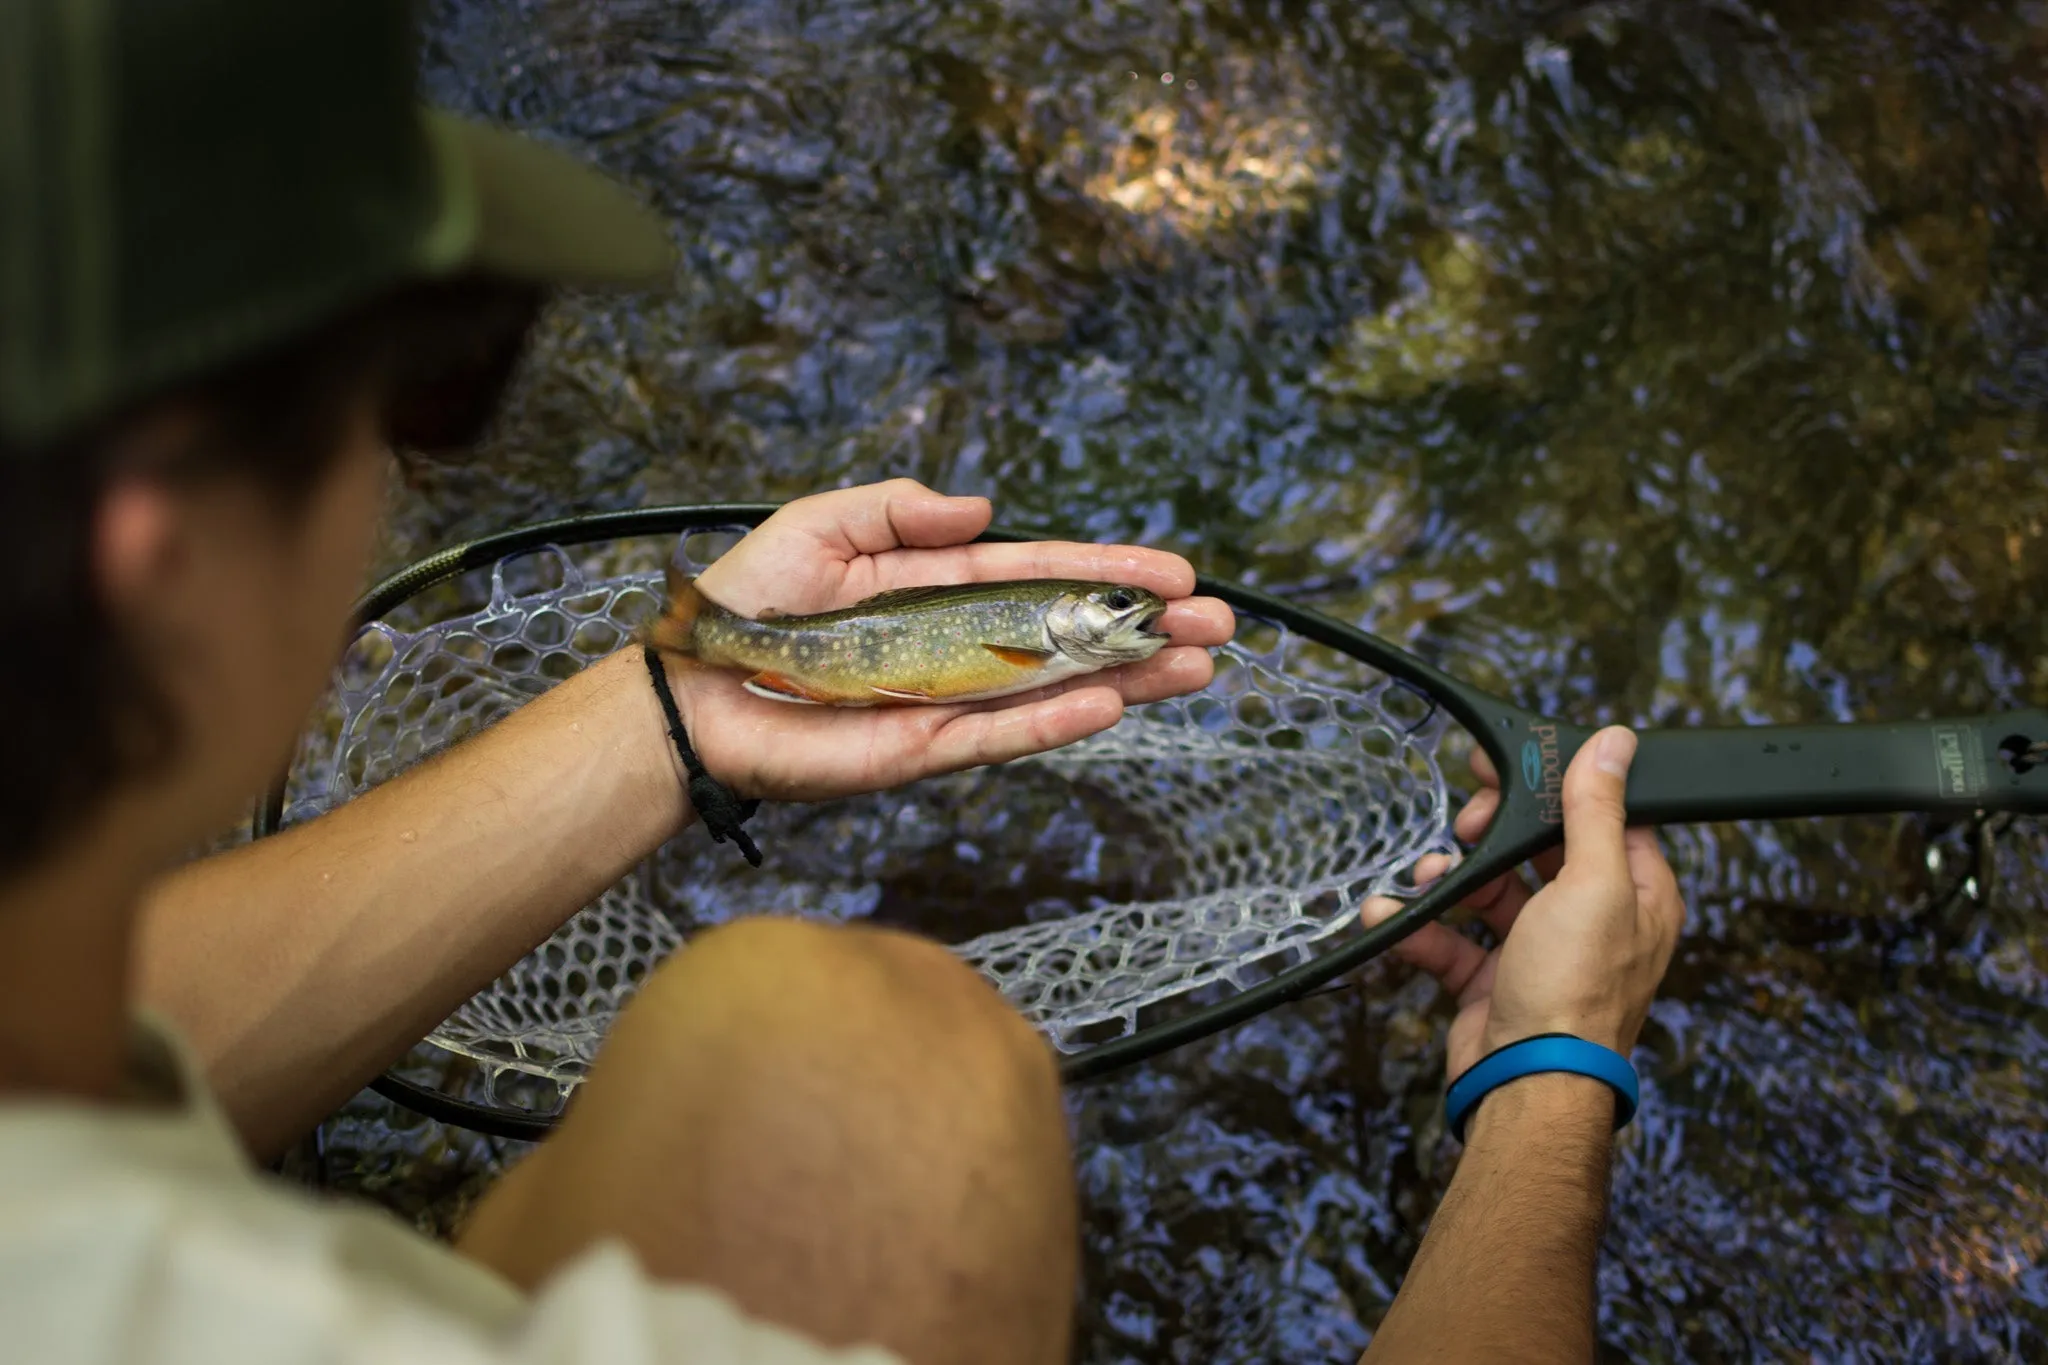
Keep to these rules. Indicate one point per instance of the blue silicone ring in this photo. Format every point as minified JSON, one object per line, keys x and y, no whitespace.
{"x":1531,"y":1056}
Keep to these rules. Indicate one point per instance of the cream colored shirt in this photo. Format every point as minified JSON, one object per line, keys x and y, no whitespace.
{"x":141,"y":1234}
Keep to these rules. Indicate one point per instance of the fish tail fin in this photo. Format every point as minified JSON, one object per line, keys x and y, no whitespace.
{"x":674,"y":631}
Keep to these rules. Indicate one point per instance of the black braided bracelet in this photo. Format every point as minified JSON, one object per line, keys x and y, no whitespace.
{"x":721,"y":811}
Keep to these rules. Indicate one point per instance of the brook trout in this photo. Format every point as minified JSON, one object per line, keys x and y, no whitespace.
{"x":919,"y":645}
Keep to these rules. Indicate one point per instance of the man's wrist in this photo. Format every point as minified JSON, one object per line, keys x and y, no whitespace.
{"x":627,"y":714}
{"x":1546,"y":1106}
{"x":1607,"y":1028}
{"x":688,"y":682}
{"x":676,"y":676}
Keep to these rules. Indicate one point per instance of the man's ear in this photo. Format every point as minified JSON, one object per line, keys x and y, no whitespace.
{"x":137,"y":532}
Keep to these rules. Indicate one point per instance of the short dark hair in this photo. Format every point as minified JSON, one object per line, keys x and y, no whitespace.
{"x":80,"y":710}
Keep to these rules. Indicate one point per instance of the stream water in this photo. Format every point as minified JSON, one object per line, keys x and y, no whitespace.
{"x":1676,"y":363}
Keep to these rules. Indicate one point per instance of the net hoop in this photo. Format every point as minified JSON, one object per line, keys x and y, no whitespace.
{"x":1286,"y":968}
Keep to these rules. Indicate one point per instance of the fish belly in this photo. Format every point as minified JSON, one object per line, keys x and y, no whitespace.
{"x":967,"y":678}
{"x":971,"y":654}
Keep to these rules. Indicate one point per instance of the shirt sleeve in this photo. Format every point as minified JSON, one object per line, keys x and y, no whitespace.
{"x":603,"y":1308}
{"x":140,"y":1235}
{"x":107,"y":1286}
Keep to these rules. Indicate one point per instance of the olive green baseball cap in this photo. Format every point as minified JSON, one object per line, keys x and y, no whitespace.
{"x":186,"y":181}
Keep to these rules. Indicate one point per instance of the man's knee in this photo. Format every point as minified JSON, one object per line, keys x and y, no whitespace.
{"x":896,"y":1000}
{"x":845,"y":1128}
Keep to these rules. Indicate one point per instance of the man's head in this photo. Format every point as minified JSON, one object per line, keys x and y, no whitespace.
{"x":238,"y":265}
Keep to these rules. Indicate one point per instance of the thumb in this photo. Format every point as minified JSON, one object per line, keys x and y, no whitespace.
{"x":1595,"y":812}
{"x":921,"y":518}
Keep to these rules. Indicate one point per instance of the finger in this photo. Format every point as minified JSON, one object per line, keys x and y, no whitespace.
{"x":877,"y":517}
{"x":1479,"y":811}
{"x":1477,"y":815}
{"x":1473,"y":820}
{"x":982,"y":737}
{"x":921,"y":518}
{"x":1443,"y":952}
{"x":1199,"y":621}
{"x":1429,"y":867}
{"x":1158,"y":570}
{"x":1594,"y":813}
{"x":1172,"y":672}
{"x":1656,"y":884}
{"x":1498,"y":902}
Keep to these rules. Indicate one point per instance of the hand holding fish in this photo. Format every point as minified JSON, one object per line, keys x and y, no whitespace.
{"x":920,"y":682}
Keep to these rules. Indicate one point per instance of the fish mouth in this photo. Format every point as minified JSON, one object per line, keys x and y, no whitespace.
{"x":1148,"y":624}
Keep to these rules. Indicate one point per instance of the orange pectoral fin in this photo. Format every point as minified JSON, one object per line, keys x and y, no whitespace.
{"x":776,"y":687}
{"x":1020,"y":657}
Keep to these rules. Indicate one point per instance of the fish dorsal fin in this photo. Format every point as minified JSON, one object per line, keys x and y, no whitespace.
{"x":911,"y":597}
{"x":1035,"y":589}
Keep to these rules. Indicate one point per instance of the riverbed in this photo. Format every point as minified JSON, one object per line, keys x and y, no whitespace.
{"x":1673,"y":364}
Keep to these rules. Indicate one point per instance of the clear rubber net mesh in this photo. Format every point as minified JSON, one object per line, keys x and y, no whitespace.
{"x":1200,"y":845}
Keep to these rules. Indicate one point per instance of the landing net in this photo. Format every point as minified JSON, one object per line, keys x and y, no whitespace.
{"x":1199,"y":846}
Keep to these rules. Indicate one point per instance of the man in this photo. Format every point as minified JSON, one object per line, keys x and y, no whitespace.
{"x":237,"y":266}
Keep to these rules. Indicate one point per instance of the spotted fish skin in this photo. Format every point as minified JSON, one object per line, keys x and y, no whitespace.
{"x":921,"y":645}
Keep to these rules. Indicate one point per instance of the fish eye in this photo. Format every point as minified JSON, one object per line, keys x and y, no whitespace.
{"x":1121,"y":599}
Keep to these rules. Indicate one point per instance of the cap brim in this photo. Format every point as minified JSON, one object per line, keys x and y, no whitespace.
{"x":544,"y":216}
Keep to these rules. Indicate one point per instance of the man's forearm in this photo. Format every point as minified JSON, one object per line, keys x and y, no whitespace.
{"x":1505,"y":1272}
{"x":300,"y":966}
